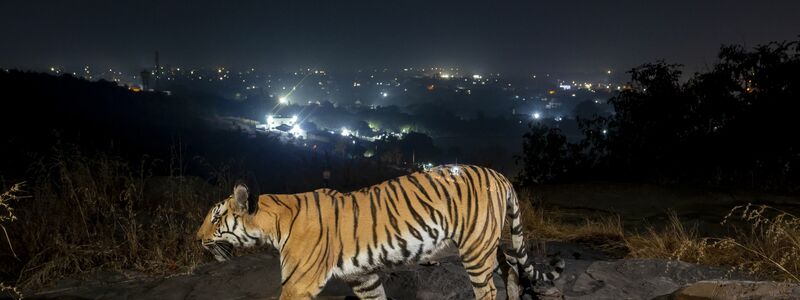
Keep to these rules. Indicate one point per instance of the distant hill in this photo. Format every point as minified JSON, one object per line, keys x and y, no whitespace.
{"x":40,"y":111}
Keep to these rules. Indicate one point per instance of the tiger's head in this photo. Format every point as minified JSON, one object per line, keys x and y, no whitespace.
{"x":227,"y":225}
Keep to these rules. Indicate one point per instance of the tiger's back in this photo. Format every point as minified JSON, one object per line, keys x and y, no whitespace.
{"x":410,"y":218}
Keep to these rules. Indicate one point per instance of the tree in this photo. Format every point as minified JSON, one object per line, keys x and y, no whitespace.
{"x":545,"y":155}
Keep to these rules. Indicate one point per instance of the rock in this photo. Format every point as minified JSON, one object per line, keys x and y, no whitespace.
{"x":588,"y":275}
{"x":722,"y":289}
{"x":631,"y":278}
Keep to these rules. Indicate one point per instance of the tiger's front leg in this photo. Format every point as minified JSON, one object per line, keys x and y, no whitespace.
{"x":367,"y":286}
{"x":303,"y":280}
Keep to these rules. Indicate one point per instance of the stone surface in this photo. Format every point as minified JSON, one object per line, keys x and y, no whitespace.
{"x":716,"y":289}
{"x":588,"y":275}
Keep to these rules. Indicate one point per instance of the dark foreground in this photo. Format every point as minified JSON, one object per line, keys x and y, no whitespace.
{"x":589,"y":275}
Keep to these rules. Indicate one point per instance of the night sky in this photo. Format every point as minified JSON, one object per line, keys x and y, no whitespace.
{"x":508,"y":36}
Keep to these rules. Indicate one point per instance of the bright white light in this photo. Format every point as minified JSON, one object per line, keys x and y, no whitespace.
{"x":605,"y":131}
{"x":537,"y":115}
{"x":445,"y":75}
{"x":476,"y":76}
{"x":297,"y":131}
{"x":294,"y":120}
{"x":345,"y":131}
{"x":283,"y":100}
{"x":608,"y":72}
{"x":270,"y":119}
{"x":385,"y":94}
{"x":558,"y":119}
{"x":455,"y":170}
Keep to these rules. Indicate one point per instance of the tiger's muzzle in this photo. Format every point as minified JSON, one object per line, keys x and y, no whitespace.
{"x":222,"y":251}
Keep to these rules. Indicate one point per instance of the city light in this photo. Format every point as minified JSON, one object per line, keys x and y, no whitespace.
{"x":294,"y":120}
{"x":385,"y":94}
{"x":283,"y":100}
{"x":297,"y":131}
{"x":537,"y":115}
{"x":270,"y":119}
{"x":345,"y":131}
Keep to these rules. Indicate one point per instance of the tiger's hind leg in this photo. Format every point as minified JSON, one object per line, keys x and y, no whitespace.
{"x":480,"y":263}
{"x":367,"y":286}
{"x":507,"y":268}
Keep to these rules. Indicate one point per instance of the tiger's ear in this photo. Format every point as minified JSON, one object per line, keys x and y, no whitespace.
{"x":240,"y":194}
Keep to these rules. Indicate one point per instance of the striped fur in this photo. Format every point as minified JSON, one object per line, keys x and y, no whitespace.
{"x":324,"y":233}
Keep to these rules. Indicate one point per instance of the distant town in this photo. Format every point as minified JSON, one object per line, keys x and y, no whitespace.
{"x":322,"y":110}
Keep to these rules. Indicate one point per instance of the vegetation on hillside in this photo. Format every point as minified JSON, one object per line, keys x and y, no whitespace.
{"x":732,"y":125}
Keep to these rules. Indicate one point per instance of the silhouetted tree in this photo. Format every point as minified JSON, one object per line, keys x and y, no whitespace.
{"x":734,"y":124}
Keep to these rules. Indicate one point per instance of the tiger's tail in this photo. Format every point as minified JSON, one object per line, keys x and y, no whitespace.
{"x":517,"y":257}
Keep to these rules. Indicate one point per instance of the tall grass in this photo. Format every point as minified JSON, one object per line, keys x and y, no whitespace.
{"x":770,"y":245}
{"x":7,"y":216}
{"x":89,"y":212}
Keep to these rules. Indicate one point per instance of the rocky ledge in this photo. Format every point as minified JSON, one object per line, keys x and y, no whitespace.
{"x":588,"y":275}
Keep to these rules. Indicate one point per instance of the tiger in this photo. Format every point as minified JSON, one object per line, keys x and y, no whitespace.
{"x":324,"y":234}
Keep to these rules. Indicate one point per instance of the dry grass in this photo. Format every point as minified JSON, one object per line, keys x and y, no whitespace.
{"x":763,"y":241}
{"x":88,"y":213}
{"x":7,"y":216}
{"x":770,"y":245}
{"x":603,"y":233}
